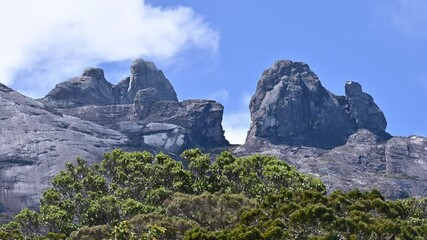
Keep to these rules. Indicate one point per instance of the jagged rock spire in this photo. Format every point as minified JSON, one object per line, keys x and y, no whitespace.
{"x":93,"y":89}
{"x":292,"y":107}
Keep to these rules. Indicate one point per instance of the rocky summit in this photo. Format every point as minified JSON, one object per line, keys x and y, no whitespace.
{"x":87,"y":116}
{"x":341,"y":139}
{"x":290,"y":106}
{"x":93,"y":89}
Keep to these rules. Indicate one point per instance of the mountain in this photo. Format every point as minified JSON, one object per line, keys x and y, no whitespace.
{"x":290,"y":106}
{"x":341,"y":139}
{"x":36,"y":143}
{"x":87,"y":116}
{"x":93,"y":89}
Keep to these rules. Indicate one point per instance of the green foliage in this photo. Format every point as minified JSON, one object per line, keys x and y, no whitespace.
{"x":102,"y":232}
{"x":140,"y":196}
{"x":213,"y":211}
{"x":123,"y":232}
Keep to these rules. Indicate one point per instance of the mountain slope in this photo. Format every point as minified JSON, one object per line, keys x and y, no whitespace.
{"x":35,"y":144}
{"x":341,"y":139}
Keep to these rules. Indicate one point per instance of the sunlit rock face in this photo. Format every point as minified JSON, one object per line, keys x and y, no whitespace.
{"x":91,"y":88}
{"x":341,"y":139}
{"x":364,"y":111}
{"x":144,"y":74}
{"x":86,"y":117}
{"x":290,"y":106}
{"x":145,"y":97}
{"x":35,"y":144}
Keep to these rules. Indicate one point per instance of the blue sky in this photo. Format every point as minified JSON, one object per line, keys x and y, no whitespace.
{"x":218,"y":49}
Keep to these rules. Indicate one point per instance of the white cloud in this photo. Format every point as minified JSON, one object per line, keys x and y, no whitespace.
{"x":408,"y":17}
{"x":236,"y":124}
{"x":46,"y":41}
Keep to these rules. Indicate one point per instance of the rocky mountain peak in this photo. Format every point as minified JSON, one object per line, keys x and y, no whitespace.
{"x":94,"y":73}
{"x":364,"y":111}
{"x":290,"y":106}
{"x":4,"y":88}
{"x":341,"y":139}
{"x":93,"y":89}
{"x":139,"y":65}
{"x":89,"y":89}
{"x":87,"y":116}
{"x":352,"y":88}
{"x":144,"y":74}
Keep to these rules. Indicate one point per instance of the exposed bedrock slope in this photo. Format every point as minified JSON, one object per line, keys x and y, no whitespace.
{"x":341,"y":139}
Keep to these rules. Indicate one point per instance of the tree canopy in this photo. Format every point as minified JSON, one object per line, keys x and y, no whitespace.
{"x":136,"y":195}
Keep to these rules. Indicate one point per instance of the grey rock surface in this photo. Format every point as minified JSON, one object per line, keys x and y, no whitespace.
{"x":35,"y":144}
{"x":144,"y":99}
{"x":397,"y":167}
{"x":341,"y":139}
{"x":89,"y":89}
{"x":364,"y":110}
{"x":201,"y":118}
{"x":86,"y":117}
{"x":93,"y":89}
{"x":165,"y":137}
{"x":143,"y":75}
{"x":108,"y":115}
{"x":290,"y":106}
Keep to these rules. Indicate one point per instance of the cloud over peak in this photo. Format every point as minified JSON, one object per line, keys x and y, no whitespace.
{"x":46,"y":41}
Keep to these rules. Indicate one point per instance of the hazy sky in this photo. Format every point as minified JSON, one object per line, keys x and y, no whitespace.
{"x":218,"y":49}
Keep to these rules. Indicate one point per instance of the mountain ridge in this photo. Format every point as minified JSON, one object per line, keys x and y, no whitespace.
{"x":341,"y":139}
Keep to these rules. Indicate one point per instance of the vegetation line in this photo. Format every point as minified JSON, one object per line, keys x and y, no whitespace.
{"x":140,"y":196}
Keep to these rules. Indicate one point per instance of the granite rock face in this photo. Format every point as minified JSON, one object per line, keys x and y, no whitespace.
{"x":341,"y":139}
{"x":144,"y":75}
{"x":364,"y":110}
{"x":86,"y":117}
{"x":143,"y":98}
{"x":201,"y":118}
{"x":164,"y":137}
{"x":93,"y":89}
{"x":397,"y":167}
{"x":35,"y":144}
{"x":290,"y":106}
{"x":89,"y":89}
